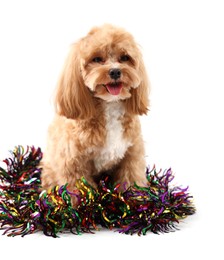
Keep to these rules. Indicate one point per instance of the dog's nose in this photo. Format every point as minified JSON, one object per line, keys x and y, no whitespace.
{"x":115,"y":73}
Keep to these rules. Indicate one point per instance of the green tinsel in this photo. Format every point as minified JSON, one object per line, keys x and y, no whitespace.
{"x":24,"y":209}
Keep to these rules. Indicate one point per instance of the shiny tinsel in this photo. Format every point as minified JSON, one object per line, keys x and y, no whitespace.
{"x":24,"y":209}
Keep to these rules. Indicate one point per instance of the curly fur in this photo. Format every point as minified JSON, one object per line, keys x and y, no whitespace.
{"x":95,"y":130}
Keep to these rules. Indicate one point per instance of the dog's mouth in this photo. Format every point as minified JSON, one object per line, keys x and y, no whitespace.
{"x":114,"y":88}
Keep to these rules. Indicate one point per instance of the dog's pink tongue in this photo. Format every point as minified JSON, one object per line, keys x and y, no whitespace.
{"x":114,"y":89}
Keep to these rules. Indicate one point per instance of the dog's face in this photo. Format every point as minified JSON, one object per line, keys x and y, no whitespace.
{"x":109,"y":61}
{"x":105,"y":64}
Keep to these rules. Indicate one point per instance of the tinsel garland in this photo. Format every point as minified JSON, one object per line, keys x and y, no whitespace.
{"x":24,"y":209}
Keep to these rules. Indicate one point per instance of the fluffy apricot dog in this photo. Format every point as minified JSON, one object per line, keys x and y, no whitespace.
{"x":102,"y":91}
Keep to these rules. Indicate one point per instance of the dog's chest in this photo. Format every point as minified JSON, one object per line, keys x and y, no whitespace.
{"x":115,"y":144}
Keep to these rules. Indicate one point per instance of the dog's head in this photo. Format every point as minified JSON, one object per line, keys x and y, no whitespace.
{"x":106,"y":64}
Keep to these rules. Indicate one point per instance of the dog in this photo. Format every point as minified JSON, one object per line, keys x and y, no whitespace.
{"x":101,"y":92}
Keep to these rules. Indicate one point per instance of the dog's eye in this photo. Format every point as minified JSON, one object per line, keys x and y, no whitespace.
{"x":124,"y":58}
{"x":97,"y":59}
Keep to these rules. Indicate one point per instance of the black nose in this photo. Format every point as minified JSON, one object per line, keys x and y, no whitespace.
{"x":115,"y":73}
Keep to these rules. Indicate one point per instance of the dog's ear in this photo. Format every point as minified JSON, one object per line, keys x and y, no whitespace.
{"x":138,"y":103}
{"x":73,"y":99}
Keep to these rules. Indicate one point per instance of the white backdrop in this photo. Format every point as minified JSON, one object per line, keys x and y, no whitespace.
{"x":182,"y":43}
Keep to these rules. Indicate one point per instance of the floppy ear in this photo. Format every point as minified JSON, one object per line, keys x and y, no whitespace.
{"x":73,"y":99}
{"x":138,"y":103}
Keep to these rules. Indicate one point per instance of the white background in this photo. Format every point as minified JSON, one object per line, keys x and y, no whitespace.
{"x":183,"y":47}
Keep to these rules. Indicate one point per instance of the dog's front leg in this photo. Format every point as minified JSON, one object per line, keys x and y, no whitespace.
{"x":132,"y":168}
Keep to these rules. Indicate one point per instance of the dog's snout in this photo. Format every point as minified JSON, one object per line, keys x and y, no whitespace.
{"x":115,"y":73}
